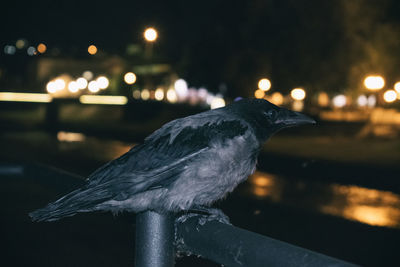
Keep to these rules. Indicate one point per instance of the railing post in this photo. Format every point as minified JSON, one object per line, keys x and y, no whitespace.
{"x":154,"y":240}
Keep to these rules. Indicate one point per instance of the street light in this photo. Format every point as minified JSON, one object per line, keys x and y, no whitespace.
{"x":150,"y":34}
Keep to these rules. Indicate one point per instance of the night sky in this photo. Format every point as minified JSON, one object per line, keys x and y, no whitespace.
{"x":321,"y":45}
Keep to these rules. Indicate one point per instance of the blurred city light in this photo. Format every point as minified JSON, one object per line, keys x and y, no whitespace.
{"x":73,"y":87}
{"x":70,"y":137}
{"x":298,"y":94}
{"x":371,"y":101}
{"x":92,"y":49}
{"x":397,"y":87}
{"x":130,"y":78}
{"x":31,"y":51}
{"x":374,"y":82}
{"x":21,"y":43}
{"x":171,"y":96}
{"x":181,"y":88}
{"x":264,"y":84}
{"x":82,"y":83}
{"x":93,"y":87}
{"x":136,"y":94}
{"x":102,"y":82}
{"x":145,"y":94}
{"x":217,"y":102}
{"x":259,"y":93}
{"x":362,"y":101}
{"x":150,"y":34}
{"x":59,"y":84}
{"x":25,"y":97}
{"x":9,"y":50}
{"x":88,"y":75}
{"x":51,"y":87}
{"x":339,"y":101}
{"x":159,"y":94}
{"x":202,"y":94}
{"x":390,"y":96}
{"x":323,"y":99}
{"x":277,"y":98}
{"x":298,"y":105}
{"x":41,"y":48}
{"x":103,"y":99}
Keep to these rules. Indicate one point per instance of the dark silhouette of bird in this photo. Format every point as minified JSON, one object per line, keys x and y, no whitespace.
{"x":189,"y":162}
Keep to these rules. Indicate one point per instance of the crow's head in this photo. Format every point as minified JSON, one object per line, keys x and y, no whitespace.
{"x":266,"y":118}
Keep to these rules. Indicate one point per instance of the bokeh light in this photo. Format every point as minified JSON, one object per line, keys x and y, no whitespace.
{"x":264,"y":84}
{"x":397,"y":87}
{"x":298,"y":94}
{"x":217,"y":102}
{"x":390,"y":96}
{"x":59,"y":84}
{"x":375,"y":82}
{"x":136,"y":94}
{"x":181,"y":88}
{"x":259,"y":93}
{"x":21,"y":43}
{"x":82,"y":83}
{"x":88,"y":75}
{"x":93,"y":87}
{"x":130,"y":78}
{"x":31,"y":51}
{"x":41,"y":48}
{"x":159,"y":94}
{"x":150,"y":34}
{"x":339,"y":101}
{"x":362,"y":101}
{"x":371,"y":101}
{"x":145,"y":94}
{"x":9,"y":49}
{"x":73,"y":87}
{"x":171,"y":96}
{"x":103,"y":82}
{"x":92,"y":49}
{"x":51,"y":87}
{"x":277,"y":98}
{"x":323,"y":99}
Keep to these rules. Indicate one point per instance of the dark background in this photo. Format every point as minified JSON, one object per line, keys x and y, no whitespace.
{"x":333,"y":188}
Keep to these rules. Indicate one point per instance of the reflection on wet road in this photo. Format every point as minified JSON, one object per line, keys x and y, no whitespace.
{"x":369,"y":206}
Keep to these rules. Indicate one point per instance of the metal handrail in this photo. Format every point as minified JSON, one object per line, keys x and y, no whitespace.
{"x":159,"y":236}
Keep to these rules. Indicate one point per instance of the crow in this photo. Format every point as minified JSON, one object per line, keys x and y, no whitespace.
{"x":188,"y":163}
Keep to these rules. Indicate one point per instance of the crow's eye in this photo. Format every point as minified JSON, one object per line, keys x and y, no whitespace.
{"x":272,"y":114}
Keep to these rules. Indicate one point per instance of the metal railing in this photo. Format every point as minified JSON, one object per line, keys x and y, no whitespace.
{"x":219,"y":242}
{"x":160,"y":236}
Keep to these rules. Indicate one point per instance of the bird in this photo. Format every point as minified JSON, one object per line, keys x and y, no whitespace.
{"x":188,"y":163}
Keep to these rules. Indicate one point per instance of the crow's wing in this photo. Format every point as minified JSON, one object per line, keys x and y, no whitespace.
{"x":156,"y":163}
{"x":162,"y":157}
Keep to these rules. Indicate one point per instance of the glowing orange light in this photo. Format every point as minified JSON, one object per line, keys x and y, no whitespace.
{"x":41,"y":48}
{"x":259,"y":93}
{"x":92,"y":49}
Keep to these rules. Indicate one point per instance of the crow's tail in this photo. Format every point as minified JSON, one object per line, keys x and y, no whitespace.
{"x":80,"y":200}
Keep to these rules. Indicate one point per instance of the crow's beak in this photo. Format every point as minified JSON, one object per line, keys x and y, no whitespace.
{"x":288,"y":118}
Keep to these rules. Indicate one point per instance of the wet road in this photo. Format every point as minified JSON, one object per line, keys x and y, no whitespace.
{"x":356,"y":203}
